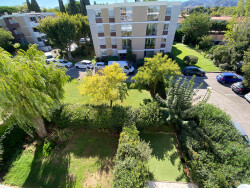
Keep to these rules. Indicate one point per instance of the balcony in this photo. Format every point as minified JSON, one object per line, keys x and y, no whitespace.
{"x":38,"y":34}
{"x":125,"y":47}
{"x":34,"y":24}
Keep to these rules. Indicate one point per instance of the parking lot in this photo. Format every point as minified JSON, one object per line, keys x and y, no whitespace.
{"x":222,"y":96}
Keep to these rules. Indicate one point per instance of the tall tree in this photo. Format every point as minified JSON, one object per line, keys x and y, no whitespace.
{"x":71,"y":29}
{"x":240,"y":9}
{"x":28,"y":5}
{"x":72,"y":8}
{"x":35,"y":6}
{"x":94,"y":2}
{"x":194,"y":27}
{"x":83,"y":7}
{"x":29,"y":88}
{"x":61,"y":6}
{"x":106,"y":87}
{"x":5,"y":39}
{"x":155,"y":70}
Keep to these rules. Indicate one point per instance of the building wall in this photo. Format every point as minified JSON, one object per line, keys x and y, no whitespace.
{"x":139,"y":24}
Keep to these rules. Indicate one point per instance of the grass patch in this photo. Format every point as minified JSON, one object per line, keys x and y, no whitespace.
{"x":180,"y":50}
{"x":86,"y":161}
{"x":73,"y":96}
{"x":165,"y":164}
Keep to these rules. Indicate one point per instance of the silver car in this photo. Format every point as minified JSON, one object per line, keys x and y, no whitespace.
{"x":247,"y":97}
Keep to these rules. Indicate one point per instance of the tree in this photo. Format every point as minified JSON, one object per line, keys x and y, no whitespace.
{"x":8,"y":9}
{"x":206,"y":42}
{"x":34,"y":6}
{"x":61,"y":6}
{"x":222,"y":55}
{"x":246,"y":71}
{"x":5,"y":39}
{"x":72,"y":8}
{"x":106,"y":87}
{"x":155,"y":70}
{"x":29,"y":88}
{"x":129,"y":55}
{"x":28,"y":5}
{"x":190,"y":59}
{"x":240,"y":9}
{"x":83,"y":7}
{"x":194,"y":27}
{"x":64,"y":29}
{"x":94,"y":2}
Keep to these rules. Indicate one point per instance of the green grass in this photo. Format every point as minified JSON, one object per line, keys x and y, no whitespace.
{"x":165,"y":164}
{"x":86,"y":160}
{"x":180,"y":50}
{"x":72,"y":95}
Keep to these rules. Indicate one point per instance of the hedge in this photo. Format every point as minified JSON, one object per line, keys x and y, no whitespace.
{"x":190,"y":59}
{"x":215,"y":151}
{"x":132,"y":157}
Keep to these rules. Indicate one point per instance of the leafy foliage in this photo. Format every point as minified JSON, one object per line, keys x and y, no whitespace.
{"x":155,"y":70}
{"x":190,"y":59}
{"x":47,"y":148}
{"x":8,"y":9}
{"x":6,"y":40}
{"x":219,"y":25}
{"x":61,"y":6}
{"x":222,"y":55}
{"x":28,"y":87}
{"x":216,"y":153}
{"x":106,"y":87}
{"x":131,"y":168}
{"x":34,"y":6}
{"x":206,"y":42}
{"x":246,"y":71}
{"x":129,"y":55}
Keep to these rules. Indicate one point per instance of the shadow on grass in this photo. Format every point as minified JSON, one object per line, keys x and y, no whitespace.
{"x":54,"y":171}
{"x":175,"y":52}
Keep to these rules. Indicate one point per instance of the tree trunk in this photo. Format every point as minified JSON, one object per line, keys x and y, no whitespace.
{"x":40,"y":128}
{"x":69,"y":53}
{"x":111,"y":103}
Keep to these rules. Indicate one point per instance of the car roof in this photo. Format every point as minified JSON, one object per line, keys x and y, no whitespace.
{"x":100,"y":63}
{"x":228,"y":74}
{"x":47,"y":53}
{"x":86,"y":61}
{"x":119,"y":62}
{"x":239,"y":128}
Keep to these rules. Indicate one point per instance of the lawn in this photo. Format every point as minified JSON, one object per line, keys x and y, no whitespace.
{"x":86,"y":160}
{"x":72,"y":95}
{"x":165,"y":164}
{"x":180,"y":50}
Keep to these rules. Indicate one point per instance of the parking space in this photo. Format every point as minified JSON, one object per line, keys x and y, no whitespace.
{"x":230,"y":102}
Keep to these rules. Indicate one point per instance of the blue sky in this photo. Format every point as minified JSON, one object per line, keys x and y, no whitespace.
{"x":54,"y":3}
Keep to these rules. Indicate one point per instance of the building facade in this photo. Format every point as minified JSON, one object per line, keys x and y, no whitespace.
{"x":145,"y":27}
{"x":23,"y":27}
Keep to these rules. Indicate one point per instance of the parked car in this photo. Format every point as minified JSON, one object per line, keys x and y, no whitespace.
{"x":240,"y":88}
{"x":84,"y":64}
{"x":242,"y":132}
{"x":228,"y":77}
{"x":49,"y":57}
{"x":82,"y":40}
{"x":99,"y":65}
{"x":127,"y":69}
{"x":193,"y":70}
{"x":63,"y":63}
{"x":247,"y":97}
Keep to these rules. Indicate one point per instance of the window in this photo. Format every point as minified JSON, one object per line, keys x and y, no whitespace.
{"x":165,"y":27}
{"x":126,"y":14}
{"x":102,"y":41}
{"x":153,"y":13}
{"x":168,"y":10}
{"x":111,"y":13}
{"x":112,"y":28}
{"x":115,"y":53}
{"x":153,"y":17}
{"x":98,"y":13}
{"x":33,"y":19}
{"x":163,"y":40}
{"x":151,"y":29}
{"x":149,"y":53}
{"x":100,"y":29}
{"x":12,"y":21}
{"x":126,"y":43}
{"x":126,"y":30}
{"x":150,"y":43}
{"x":113,"y":41}
{"x":104,"y":52}
{"x":154,"y":9}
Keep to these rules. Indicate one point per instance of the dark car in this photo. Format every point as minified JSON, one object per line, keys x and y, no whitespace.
{"x":228,"y":77}
{"x":192,"y":70}
{"x":239,"y":87}
{"x":242,"y":132}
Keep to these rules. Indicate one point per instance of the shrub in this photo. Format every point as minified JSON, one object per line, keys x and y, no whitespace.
{"x":178,"y":36}
{"x":206,"y":42}
{"x":222,"y":55}
{"x":140,"y":62}
{"x":47,"y":148}
{"x":224,"y":66}
{"x":190,"y":60}
{"x":132,"y":156}
{"x":106,"y":59}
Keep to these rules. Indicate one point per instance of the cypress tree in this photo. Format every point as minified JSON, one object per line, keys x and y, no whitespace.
{"x":83,"y":7}
{"x":87,"y":2}
{"x":28,"y":5}
{"x":35,"y":6}
{"x":72,"y":7}
{"x":61,"y":6}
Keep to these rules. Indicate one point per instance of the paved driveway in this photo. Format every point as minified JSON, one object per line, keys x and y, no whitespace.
{"x":223,"y":96}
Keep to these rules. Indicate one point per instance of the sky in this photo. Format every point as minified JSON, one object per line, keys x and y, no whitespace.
{"x":54,"y":3}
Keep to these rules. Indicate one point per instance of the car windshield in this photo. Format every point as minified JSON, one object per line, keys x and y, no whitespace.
{"x":200,"y":69}
{"x":49,"y":56}
{"x":221,"y":75}
{"x":239,"y":84}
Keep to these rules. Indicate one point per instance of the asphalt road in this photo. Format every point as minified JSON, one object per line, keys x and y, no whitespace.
{"x":222,"y":96}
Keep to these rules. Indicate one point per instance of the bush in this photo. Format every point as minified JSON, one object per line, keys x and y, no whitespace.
{"x":206,"y":42}
{"x":222,"y":55}
{"x":190,"y":60}
{"x":178,"y":36}
{"x":215,"y":151}
{"x":106,"y":59}
{"x":132,"y":156}
{"x":224,"y":66}
{"x":81,"y":51}
{"x":47,"y":148}
{"x":140,"y":62}
{"x":11,"y":143}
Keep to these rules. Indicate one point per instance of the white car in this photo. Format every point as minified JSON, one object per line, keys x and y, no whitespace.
{"x":63,"y":63}
{"x":84,"y":64}
{"x":247,"y":97}
{"x":82,"y":40}
{"x":127,"y":69}
{"x":49,"y":57}
{"x":99,"y":65}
